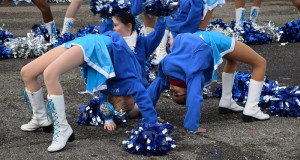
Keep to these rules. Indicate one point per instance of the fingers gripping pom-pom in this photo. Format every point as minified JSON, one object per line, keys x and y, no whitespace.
{"x":150,"y":139}
{"x":161,"y":8}
{"x":108,"y":8}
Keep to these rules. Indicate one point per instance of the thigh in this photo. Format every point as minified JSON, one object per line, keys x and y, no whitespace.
{"x":70,"y":59}
{"x":245,"y":54}
{"x":37,"y":66}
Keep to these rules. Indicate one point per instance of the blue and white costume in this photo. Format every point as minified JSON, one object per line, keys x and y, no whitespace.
{"x":220,"y":45}
{"x":209,"y":5}
{"x":190,"y":61}
{"x":144,"y":46}
{"x":187,"y":18}
{"x":127,"y":80}
{"x":189,"y":15}
{"x":137,"y":7}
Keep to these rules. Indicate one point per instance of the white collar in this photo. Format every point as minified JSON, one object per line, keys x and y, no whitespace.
{"x":131,"y":40}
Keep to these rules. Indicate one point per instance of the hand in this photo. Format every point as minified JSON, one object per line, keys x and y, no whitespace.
{"x":160,"y":120}
{"x":200,"y":130}
{"x":111,"y":127}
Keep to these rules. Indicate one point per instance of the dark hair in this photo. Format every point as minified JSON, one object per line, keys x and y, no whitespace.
{"x":126,"y":18}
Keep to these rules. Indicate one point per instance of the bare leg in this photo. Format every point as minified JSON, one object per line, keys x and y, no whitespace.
{"x":296,"y":3}
{"x":70,"y":59}
{"x":32,"y":70}
{"x":239,"y":3}
{"x":257,"y":3}
{"x":148,"y":21}
{"x":245,"y":54}
{"x":45,"y":9}
{"x":73,"y":8}
{"x":204,"y":22}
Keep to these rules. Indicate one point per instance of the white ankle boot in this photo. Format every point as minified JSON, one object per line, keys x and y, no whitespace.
{"x":39,"y":116}
{"x":68,"y":25}
{"x":227,"y":104}
{"x":252,"y":111}
{"x":254,"y":13}
{"x":240,"y":17}
{"x":161,"y":50}
{"x":52,"y":31}
{"x":63,"y":132}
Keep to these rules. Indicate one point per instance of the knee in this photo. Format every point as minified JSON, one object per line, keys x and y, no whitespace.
{"x":25,"y":74}
{"x":45,"y":9}
{"x":49,"y":76}
{"x":296,"y":3}
{"x":262,"y":63}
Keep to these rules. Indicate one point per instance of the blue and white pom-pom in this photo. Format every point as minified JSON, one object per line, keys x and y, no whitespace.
{"x":5,"y":35}
{"x":278,"y":100}
{"x":150,"y":139}
{"x":108,"y":8}
{"x":161,"y":8}
{"x":90,"y":114}
{"x":17,"y":1}
{"x":4,"y":53}
{"x":291,"y":31}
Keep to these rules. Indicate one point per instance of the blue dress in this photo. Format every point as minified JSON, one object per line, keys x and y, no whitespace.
{"x":220,"y":45}
{"x":127,"y":80}
{"x":191,"y":61}
{"x":145,"y":46}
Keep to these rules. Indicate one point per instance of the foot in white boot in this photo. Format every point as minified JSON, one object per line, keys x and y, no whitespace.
{"x":161,"y":50}
{"x":254,"y":13}
{"x":240,"y":17}
{"x":39,"y":117}
{"x":63,"y":132}
{"x":52,"y":31}
{"x":68,"y":25}
{"x":227,"y":104}
{"x":252,"y":111}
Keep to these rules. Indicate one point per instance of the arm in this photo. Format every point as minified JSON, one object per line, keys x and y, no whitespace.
{"x":157,"y":86}
{"x":194,"y":102}
{"x":153,"y":39}
{"x":144,"y":102}
{"x":106,"y":25}
{"x":188,"y":18}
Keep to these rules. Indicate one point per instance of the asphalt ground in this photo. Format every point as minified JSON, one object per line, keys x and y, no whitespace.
{"x":227,"y":136}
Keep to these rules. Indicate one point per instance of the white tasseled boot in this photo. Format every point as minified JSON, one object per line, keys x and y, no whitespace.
{"x":240,"y":17}
{"x":227,"y":104}
{"x":254,"y":13}
{"x":252,"y":111}
{"x":161,"y":50}
{"x":63,"y":132}
{"x":39,"y":116}
{"x":68,"y":25}
{"x":52,"y":31}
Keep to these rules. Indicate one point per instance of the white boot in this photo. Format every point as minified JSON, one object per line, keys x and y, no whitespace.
{"x":63,"y":132}
{"x":161,"y":50}
{"x":52,"y":31}
{"x":252,"y":111}
{"x":240,"y":17}
{"x":254,"y":13}
{"x":227,"y":104}
{"x":39,"y":116}
{"x":68,"y":25}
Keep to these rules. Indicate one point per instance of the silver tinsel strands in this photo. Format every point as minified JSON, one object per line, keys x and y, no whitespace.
{"x":269,"y":29}
{"x":227,"y":31}
{"x":27,"y":47}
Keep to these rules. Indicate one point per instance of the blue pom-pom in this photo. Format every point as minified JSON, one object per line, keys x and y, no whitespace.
{"x":161,"y":8}
{"x":4,"y":53}
{"x":150,"y":139}
{"x":108,"y":8}
{"x":291,"y":31}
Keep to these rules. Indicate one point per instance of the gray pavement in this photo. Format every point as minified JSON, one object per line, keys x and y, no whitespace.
{"x":275,"y":139}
